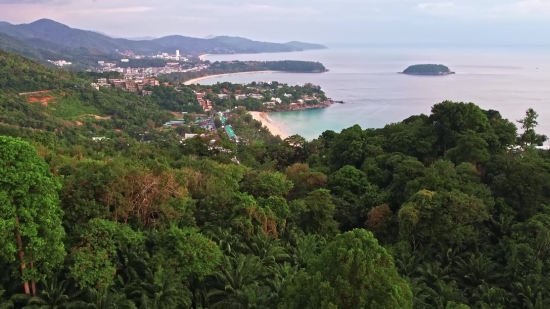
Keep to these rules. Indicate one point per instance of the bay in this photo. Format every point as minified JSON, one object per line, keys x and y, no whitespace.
{"x":509,"y":80}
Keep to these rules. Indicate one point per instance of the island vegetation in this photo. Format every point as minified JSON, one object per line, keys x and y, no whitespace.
{"x":446,"y":210}
{"x":428,"y":69}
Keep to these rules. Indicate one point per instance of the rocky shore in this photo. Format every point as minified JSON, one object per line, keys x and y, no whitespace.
{"x":302,"y":107}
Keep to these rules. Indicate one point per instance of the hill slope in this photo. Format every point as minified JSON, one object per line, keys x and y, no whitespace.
{"x":64,"y":100}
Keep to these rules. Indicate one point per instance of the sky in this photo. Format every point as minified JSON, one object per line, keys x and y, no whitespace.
{"x":482,"y":22}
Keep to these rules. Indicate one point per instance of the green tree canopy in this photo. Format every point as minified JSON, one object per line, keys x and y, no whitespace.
{"x":30,"y":216}
{"x":353,"y":271}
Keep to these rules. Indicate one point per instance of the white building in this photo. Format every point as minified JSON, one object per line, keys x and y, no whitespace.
{"x":124,"y":60}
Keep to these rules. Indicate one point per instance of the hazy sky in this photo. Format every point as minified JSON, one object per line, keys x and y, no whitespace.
{"x":323,"y":21}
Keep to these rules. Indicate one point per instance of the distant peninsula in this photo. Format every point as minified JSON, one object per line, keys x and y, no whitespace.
{"x":427,"y":69}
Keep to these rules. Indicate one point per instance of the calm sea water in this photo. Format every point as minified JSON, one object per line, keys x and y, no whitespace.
{"x":507,"y":80}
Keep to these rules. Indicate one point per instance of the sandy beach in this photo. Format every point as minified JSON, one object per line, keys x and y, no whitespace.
{"x":195,"y":80}
{"x":201,"y":57}
{"x":273,"y":127}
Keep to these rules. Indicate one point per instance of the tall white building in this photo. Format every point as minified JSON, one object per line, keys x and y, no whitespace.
{"x":177,"y":53}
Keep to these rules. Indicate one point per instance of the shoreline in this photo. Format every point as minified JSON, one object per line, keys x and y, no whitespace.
{"x":273,"y":127}
{"x":201,"y":57}
{"x":198,"y":79}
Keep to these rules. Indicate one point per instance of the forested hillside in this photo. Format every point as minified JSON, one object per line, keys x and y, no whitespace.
{"x":439,"y":211}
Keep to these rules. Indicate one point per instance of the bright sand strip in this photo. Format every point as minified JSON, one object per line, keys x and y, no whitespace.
{"x":272,"y":126}
{"x":195,"y":80}
{"x":201,"y":57}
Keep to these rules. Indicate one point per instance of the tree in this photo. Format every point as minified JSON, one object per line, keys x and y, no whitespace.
{"x":266,"y":184}
{"x":218,"y":122}
{"x":54,"y":294}
{"x":237,"y":274}
{"x":353,"y":271}
{"x":304,"y":179}
{"x":529,"y":138}
{"x":187,"y":251}
{"x":451,"y":119}
{"x":30,"y":216}
{"x":93,"y":258}
{"x":160,"y":290}
{"x":316,"y":213}
{"x":471,"y":148}
{"x":441,"y":217}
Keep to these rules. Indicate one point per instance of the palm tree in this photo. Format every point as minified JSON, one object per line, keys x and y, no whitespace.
{"x":475,"y":271}
{"x":53,"y":295}
{"x":446,"y":256}
{"x":267,"y":248}
{"x":160,"y":290}
{"x":5,"y":304}
{"x":104,"y":298}
{"x":531,"y":293}
{"x":229,"y":242}
{"x":407,"y":267}
{"x":433,"y":274}
{"x":306,"y":249}
{"x":132,"y":262}
{"x":236,"y":274}
{"x":253,"y":296}
{"x":435,"y":286}
{"x":490,"y":297}
{"x":282,"y":275}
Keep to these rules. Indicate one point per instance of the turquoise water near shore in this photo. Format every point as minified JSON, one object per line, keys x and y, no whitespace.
{"x":507,"y":80}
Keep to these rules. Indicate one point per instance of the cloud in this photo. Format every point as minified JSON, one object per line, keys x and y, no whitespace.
{"x":33,"y":1}
{"x":436,"y":5}
{"x":520,"y":9}
{"x":439,"y":9}
{"x":131,"y":9}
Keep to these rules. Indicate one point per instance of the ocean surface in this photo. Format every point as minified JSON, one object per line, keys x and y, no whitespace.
{"x":509,"y":80}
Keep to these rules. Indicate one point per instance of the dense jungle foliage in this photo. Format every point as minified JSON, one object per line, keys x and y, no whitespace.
{"x":447,"y":210}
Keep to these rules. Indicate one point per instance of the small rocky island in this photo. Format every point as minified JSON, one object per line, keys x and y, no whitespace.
{"x":427,"y":69}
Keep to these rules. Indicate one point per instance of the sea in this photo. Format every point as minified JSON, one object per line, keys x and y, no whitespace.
{"x":509,"y":80}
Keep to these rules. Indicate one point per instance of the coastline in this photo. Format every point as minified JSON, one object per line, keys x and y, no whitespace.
{"x":195,"y":80}
{"x":273,"y":127}
{"x":201,"y":57}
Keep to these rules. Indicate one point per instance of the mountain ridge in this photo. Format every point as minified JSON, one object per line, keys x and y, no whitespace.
{"x":63,"y":35}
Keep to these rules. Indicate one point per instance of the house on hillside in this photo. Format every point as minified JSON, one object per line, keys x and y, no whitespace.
{"x":256,"y":96}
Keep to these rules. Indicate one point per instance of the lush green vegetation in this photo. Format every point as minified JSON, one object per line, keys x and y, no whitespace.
{"x":284,"y":65}
{"x":248,"y":66}
{"x":264,"y":92}
{"x":427,"y":69}
{"x":447,"y":210}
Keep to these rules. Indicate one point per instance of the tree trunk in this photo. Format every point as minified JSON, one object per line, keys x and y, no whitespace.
{"x":21,"y":257}
{"x":33,"y":283}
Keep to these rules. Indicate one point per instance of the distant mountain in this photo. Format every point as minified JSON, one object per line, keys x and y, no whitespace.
{"x":253,"y":46}
{"x":305,"y":46}
{"x":58,"y":40}
{"x":142,"y":38}
{"x":42,"y":51}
